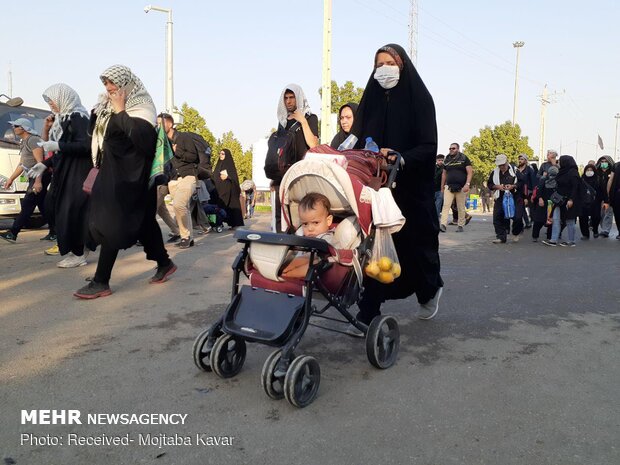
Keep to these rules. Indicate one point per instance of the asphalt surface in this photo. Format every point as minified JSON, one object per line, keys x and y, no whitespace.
{"x":520,"y":366}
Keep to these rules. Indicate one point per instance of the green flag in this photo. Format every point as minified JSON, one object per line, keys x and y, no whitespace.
{"x":163,"y":155}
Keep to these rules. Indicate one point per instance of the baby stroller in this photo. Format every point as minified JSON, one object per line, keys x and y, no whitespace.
{"x":276,"y":312}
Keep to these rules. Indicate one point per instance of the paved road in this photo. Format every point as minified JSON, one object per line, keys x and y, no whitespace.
{"x":519,"y":367}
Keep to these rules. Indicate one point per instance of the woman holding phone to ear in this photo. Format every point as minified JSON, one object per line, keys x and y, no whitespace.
{"x":122,"y":206}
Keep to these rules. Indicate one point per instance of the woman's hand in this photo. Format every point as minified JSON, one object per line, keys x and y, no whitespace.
{"x":541,"y":202}
{"x":569,"y":204}
{"x":117,"y":99}
{"x":385,"y":151}
{"x":37,"y":186}
{"x":223,"y":176}
{"x":48,"y":122}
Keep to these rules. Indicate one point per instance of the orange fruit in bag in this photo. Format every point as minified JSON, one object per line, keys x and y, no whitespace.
{"x":396,"y":270}
{"x":386,"y":277}
{"x":372,"y":269}
{"x":385,"y":264}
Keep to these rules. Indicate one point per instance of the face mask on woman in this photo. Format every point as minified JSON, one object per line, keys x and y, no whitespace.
{"x":604,"y":165}
{"x":589,"y":173}
{"x":387,"y":76}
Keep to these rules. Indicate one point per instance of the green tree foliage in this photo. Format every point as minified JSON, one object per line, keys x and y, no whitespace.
{"x":348,"y":93}
{"x":482,"y":149}
{"x":243,"y":160}
{"x":193,"y":122}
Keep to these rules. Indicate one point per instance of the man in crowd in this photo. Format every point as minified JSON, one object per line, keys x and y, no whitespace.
{"x":294,"y":114}
{"x":438,"y":174}
{"x":552,"y":160}
{"x":501,"y":180}
{"x":182,"y":185}
{"x":455,"y":182}
{"x":526,"y":181}
{"x":163,"y":191}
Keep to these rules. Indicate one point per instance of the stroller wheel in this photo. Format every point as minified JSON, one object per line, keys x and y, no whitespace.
{"x":302,"y":380}
{"x":273,"y":386}
{"x":382,"y":341}
{"x":219,"y":229}
{"x":227,"y":356}
{"x":202,"y":351}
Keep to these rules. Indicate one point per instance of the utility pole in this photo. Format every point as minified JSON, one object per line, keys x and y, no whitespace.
{"x":616,"y":136}
{"x":10,"y":76}
{"x":169,"y":80}
{"x":326,"y":92}
{"x":545,"y":99}
{"x":518,"y":46}
{"x":413,"y":32}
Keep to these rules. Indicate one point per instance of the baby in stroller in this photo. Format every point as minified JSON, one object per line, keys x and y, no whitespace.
{"x":282,"y":296}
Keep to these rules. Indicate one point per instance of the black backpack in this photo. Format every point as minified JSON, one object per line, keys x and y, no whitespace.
{"x":588,"y":194}
{"x":281,"y":152}
{"x":203,"y":166}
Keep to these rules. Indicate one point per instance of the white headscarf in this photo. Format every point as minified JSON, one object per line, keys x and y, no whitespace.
{"x":68,"y":102}
{"x":139,"y":103}
{"x":302,"y":103}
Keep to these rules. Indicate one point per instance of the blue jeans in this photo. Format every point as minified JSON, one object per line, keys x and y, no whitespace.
{"x":557,"y":227}
{"x":438,"y":202}
{"x":607,"y":220}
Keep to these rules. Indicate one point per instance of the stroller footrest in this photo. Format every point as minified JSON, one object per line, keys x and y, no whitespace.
{"x":261,"y":315}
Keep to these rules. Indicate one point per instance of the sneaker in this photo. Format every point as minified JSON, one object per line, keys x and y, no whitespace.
{"x":93,"y":290}
{"x":8,"y":236}
{"x":550,"y":243}
{"x":442,"y":227}
{"x":49,"y":237}
{"x":353,"y":331}
{"x":516,"y":238}
{"x":618,"y":237}
{"x":173,"y":238}
{"x":163,"y":272}
{"x":429,"y":309}
{"x":185,"y":243}
{"x":72,"y":261}
{"x":52,"y":250}
{"x":567,"y":244}
{"x":498,"y":241}
{"x":604,"y":234}
{"x":468,"y":218}
{"x":459,"y":229}
{"x":595,"y":235}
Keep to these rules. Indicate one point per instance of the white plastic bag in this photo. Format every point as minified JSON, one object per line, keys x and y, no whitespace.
{"x":384,"y":265}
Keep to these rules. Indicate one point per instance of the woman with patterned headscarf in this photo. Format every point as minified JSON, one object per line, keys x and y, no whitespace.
{"x":122,"y":207}
{"x":66,"y":135}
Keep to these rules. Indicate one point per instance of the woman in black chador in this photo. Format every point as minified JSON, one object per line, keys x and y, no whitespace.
{"x":346,"y":118}
{"x":228,"y":189}
{"x":66,"y":134}
{"x":122,"y":206}
{"x":398,"y":112}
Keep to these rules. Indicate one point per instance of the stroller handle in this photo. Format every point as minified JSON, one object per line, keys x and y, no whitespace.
{"x":393,"y":167}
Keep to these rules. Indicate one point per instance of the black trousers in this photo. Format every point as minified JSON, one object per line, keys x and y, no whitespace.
{"x":50,"y":211}
{"x":502,"y":225}
{"x":150,"y":237}
{"x":29,"y":203}
{"x":594,"y":214}
{"x":537,"y":226}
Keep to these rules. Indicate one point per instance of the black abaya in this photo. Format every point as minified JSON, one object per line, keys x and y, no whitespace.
{"x":403,"y":119}
{"x":228,"y":190}
{"x":74,"y":163}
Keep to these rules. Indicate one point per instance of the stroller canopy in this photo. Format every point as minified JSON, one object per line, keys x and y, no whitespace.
{"x":329,"y":179}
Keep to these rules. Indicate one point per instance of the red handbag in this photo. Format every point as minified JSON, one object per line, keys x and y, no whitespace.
{"x":89,"y":182}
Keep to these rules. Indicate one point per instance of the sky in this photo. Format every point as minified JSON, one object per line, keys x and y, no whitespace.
{"x":232,"y":59}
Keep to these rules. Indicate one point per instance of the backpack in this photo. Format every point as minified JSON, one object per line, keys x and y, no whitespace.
{"x":588,"y":194}
{"x":281,"y":152}
{"x":203,"y":149}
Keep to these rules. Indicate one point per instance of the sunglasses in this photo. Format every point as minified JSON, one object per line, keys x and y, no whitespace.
{"x":17,"y":127}
{"x":452,"y":148}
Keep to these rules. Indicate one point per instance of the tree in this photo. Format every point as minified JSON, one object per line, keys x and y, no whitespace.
{"x":194,"y":122}
{"x":482,"y":149}
{"x":348,"y":93}
{"x":243,"y":160}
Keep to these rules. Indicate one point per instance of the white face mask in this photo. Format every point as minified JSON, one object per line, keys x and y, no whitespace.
{"x":387,"y":76}
{"x":589,"y":173}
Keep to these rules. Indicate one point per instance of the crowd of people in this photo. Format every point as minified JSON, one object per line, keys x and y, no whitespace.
{"x":523,"y":196}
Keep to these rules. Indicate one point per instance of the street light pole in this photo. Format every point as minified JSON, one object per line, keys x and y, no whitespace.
{"x":326,"y":91}
{"x":169,"y":106}
{"x":518,"y":46}
{"x":616,"y":137}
